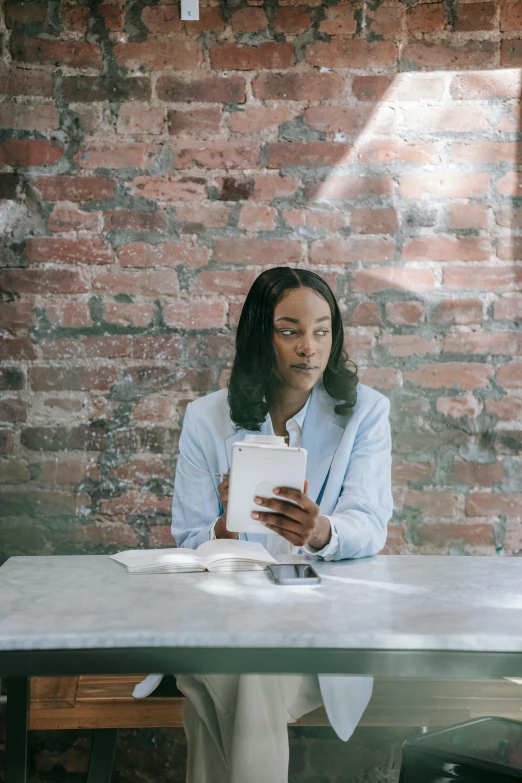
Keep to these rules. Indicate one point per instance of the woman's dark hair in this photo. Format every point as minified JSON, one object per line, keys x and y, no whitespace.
{"x":255,"y":359}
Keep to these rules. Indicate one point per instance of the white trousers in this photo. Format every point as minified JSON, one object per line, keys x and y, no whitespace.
{"x":236,"y":725}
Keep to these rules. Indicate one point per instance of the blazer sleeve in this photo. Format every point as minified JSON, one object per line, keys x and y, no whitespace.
{"x":365,"y":504}
{"x":195,"y":503}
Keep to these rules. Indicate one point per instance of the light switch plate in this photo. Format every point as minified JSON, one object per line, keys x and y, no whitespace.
{"x":190,"y":10}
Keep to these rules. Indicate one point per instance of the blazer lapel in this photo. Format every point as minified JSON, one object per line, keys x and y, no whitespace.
{"x":321,"y":437}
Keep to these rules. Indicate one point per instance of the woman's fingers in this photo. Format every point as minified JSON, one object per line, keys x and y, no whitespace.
{"x":282,"y":507}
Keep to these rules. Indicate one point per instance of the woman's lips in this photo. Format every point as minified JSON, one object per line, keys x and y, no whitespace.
{"x":306,"y":370}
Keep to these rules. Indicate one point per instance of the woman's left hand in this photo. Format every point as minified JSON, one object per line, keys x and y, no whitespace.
{"x":300,"y":524}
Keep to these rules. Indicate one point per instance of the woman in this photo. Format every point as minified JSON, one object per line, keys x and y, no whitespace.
{"x":290,"y":378}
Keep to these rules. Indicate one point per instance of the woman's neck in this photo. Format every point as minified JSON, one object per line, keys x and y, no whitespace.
{"x":283,"y":404}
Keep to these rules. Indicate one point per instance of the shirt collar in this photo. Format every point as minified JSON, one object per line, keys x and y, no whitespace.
{"x":300,"y":415}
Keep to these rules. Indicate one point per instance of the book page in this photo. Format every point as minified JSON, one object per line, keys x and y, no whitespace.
{"x":226,"y":549}
{"x":143,"y":558}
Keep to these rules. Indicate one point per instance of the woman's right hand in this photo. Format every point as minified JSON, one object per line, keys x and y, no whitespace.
{"x":220,"y":529}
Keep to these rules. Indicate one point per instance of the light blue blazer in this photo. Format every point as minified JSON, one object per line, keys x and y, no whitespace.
{"x":349,"y":475}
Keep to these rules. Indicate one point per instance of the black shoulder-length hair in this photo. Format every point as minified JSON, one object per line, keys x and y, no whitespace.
{"x":255,"y":359}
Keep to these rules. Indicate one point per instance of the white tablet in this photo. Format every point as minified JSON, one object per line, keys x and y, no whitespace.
{"x":255,"y":469}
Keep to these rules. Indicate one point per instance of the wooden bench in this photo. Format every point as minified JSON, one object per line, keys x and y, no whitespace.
{"x":105,"y":704}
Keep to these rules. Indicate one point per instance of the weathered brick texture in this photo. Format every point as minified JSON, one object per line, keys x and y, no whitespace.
{"x":150,"y":168}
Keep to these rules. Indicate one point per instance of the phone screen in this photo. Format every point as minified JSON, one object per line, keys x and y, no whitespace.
{"x":295,"y":571}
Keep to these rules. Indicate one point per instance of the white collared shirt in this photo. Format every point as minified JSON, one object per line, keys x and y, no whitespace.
{"x":277,"y":544}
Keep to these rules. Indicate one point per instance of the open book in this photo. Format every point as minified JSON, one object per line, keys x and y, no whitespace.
{"x":215,"y":555}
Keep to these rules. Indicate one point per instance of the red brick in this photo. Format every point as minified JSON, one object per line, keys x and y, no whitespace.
{"x":311,"y":153}
{"x":239,"y":57}
{"x":494,"y":343}
{"x":196,"y":123}
{"x":160,"y":347}
{"x":169,"y":55}
{"x":61,"y":348}
{"x":254,"y":217}
{"x":371,"y":88}
{"x":209,"y":19}
{"x":329,"y":221}
{"x":75,"y":18}
{"x":16,"y":348}
{"x":170,"y":188}
{"x":446,"y":184}
{"x":75,"y":314}
{"x":194,"y":217}
{"x":456,"y":407}
{"x":513,"y":536}
{"x":58,"y":250}
{"x":195,"y":315}
{"x":450,"y":374}
{"x":448,"y":117}
{"x":489,"y":504}
{"x":484,"y":85}
{"x":292,"y":21}
{"x":462,"y":312}
{"x":268,"y":187}
{"x":386,"y":21}
{"x":219,"y":155}
{"x":128,"y":220}
{"x":16,"y":315}
{"x":208,"y":89}
{"x":248,"y":20}
{"x":508,"y":308}
{"x":145,"y":283}
{"x":162,"y":19}
{"x":20,"y":116}
{"x":447,"y":249}
{"x":427,"y":18}
{"x":510,"y":217}
{"x":113,"y":155}
{"x":348,"y":188}
{"x":407,"y":279}
{"x":440,"y":537}
{"x":510,"y":249}
{"x":486,"y":151}
{"x":476,"y":474}
{"x":405,"y":313}
{"x":236,"y":282}
{"x":29,"y":152}
{"x":415,"y":86}
{"x":159,"y":536}
{"x":403,"y":472}
{"x":72,"y":378}
{"x":7,"y":441}
{"x":427,"y":56}
{"x":64,"y":219}
{"x":374,"y":221}
{"x":352,"y":53}
{"x":365,"y":314}
{"x":379,"y":377}
{"x":340,"y":20}
{"x":432,"y":503}
{"x":128,"y":314}
{"x":171,"y":254}
{"x":113,"y":16}
{"x":510,"y":185}
{"x":44,"y":51}
{"x":352,"y":250}
{"x":152,"y":408}
{"x":334,"y":119}
{"x":468,"y":216}
{"x":64,"y":188}
{"x":257,"y":251}
{"x":91,"y":89}
{"x":38,"y":281}
{"x":12,"y":410}
{"x":511,"y":53}
{"x":510,"y":375}
{"x":113,"y":534}
{"x":507,"y":409}
{"x":298,"y":86}
{"x":139,"y":469}
{"x":476,"y":17}
{"x":24,"y":82}
{"x":405,"y":345}
{"x":259,"y":118}
{"x":389,"y":150}
{"x":489,"y":278}
{"x":13,"y":471}
{"x":136,"y":503}
{"x":108,"y":346}
{"x":137,"y":121}
{"x":67,"y":471}
{"x":25,"y":13}
{"x":511,"y":17}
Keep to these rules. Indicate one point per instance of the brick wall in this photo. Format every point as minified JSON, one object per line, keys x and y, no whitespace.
{"x":150,"y":168}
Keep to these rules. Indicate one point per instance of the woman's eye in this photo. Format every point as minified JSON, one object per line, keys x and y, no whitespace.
{"x":286,"y":331}
{"x":323,"y":332}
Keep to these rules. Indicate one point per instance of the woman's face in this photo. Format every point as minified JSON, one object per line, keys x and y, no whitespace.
{"x":302,"y":338}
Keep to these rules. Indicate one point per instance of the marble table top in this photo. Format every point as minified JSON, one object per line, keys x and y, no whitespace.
{"x":399,"y":603}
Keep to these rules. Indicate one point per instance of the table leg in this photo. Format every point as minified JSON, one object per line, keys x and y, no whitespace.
{"x":102,"y":756}
{"x":17,"y":717}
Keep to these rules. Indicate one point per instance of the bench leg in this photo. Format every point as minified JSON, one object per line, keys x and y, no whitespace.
{"x":102,"y":756}
{"x":16,"y":729}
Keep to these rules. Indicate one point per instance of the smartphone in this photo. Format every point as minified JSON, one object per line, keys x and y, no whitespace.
{"x":294,"y":574}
